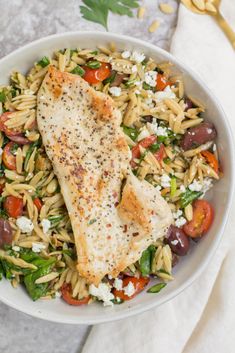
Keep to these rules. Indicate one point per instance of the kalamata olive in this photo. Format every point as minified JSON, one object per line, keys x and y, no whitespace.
{"x":119,"y":78}
{"x":188,"y":103}
{"x":198,"y":135}
{"x":6,"y":235}
{"x":177,"y":240}
{"x":148,"y":118}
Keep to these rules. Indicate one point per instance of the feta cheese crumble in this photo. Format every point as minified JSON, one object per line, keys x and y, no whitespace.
{"x":182,"y":188}
{"x":143,"y":133}
{"x":179,"y":222}
{"x":46,"y":225}
{"x":118,"y":283}
{"x":177,"y":214}
{"x":134,"y":69}
{"x":25,"y":225}
{"x":129,"y":290}
{"x":102,"y":292}
{"x":166,"y":94}
{"x":158,"y":187}
{"x":150,"y":78}
{"x":115,"y":91}
{"x":195,"y":186}
{"x":137,"y":57}
{"x":165,"y":181}
{"x":16,"y":248}
{"x":126,"y":54}
{"x":38,"y":247}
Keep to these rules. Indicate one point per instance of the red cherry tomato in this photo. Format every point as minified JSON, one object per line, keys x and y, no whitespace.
{"x":211,"y":159}
{"x":161,"y":82}
{"x":13,"y":206}
{"x":202,"y":219}
{"x":145,"y":143}
{"x":160,"y":154}
{"x":67,"y":296}
{"x":138,"y":283}
{"x":97,"y":75}
{"x":38,"y":203}
{"x":10,"y":132}
{"x":8,"y":157}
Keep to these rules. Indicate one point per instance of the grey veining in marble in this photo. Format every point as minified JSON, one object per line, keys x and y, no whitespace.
{"x":22,"y":21}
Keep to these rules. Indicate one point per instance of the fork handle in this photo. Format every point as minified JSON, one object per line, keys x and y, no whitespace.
{"x":226,"y":28}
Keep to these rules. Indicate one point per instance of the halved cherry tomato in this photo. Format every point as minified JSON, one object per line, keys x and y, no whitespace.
{"x":8,"y":157}
{"x":38,"y":203}
{"x":145,"y":143}
{"x":10,"y":132}
{"x":211,"y":159}
{"x":160,"y":154}
{"x":161,"y":82}
{"x":13,"y":206}
{"x":202,"y":219}
{"x":97,"y":75}
{"x":66,"y":292}
{"x":138,"y":283}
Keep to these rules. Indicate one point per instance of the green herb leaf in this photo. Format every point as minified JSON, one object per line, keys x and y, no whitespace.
{"x":2,"y":97}
{"x":147,"y":87}
{"x":97,"y":10}
{"x":110,"y":79}
{"x":156,"y":288}
{"x":146,"y":260}
{"x":78,"y":70}
{"x":188,"y":196}
{"x":154,"y":147}
{"x":93,"y":64}
{"x":131,"y":132}
{"x":44,"y":61}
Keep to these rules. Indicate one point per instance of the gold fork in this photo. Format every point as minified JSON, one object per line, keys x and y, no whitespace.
{"x":227,"y":29}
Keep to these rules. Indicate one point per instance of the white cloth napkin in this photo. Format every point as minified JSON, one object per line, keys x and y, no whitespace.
{"x":201,"y":319}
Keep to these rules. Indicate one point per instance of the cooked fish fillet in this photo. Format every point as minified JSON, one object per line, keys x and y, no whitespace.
{"x":114,"y":216}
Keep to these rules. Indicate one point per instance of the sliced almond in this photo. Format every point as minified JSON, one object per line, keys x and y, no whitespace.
{"x":154,"y":26}
{"x":166,"y":8}
{"x":200,"y":4}
{"x":210,"y":7}
{"x":141,"y":12}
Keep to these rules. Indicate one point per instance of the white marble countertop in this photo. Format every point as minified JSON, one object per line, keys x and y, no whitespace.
{"x":23,"y":21}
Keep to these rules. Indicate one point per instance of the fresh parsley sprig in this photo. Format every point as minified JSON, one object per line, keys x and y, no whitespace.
{"x":98,"y":10}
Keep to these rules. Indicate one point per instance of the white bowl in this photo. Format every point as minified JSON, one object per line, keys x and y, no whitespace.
{"x":189,"y":267}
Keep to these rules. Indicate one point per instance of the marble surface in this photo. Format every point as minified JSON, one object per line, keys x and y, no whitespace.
{"x":23,"y":21}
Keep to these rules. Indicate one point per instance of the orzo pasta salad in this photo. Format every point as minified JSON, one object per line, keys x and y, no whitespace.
{"x":172,"y":147}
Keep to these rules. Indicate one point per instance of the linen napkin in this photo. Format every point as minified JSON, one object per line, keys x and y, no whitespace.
{"x":200,"y":319}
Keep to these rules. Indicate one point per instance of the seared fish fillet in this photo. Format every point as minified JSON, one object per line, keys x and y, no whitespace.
{"x":114,"y":216}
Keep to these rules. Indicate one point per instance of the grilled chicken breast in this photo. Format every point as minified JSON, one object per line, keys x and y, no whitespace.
{"x":114,"y":216}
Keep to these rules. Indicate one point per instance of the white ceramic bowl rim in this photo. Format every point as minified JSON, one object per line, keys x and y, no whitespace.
{"x":211,"y":251}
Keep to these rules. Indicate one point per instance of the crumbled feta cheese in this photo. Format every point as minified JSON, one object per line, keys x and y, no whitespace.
{"x":165,"y":181}
{"x":138,"y":83}
{"x":25,"y":225}
{"x":115,"y":91}
{"x":207,"y":184}
{"x":177,"y":214}
{"x":126,"y":54}
{"x":195,"y":186}
{"x":46,"y":225}
{"x":166,"y":94}
{"x":1,"y":151}
{"x":118,"y":283}
{"x":161,"y":131}
{"x":137,"y":91}
{"x":134,"y":69}
{"x":143,"y":133}
{"x":102,"y":292}
{"x":137,"y":57}
{"x":214,"y":147}
{"x":57,"y":294}
{"x":158,"y":187}
{"x":150,"y":78}
{"x":110,"y":277}
{"x":129,"y":290}
{"x":16,"y":248}
{"x":179,"y":222}
{"x":157,"y":130}
{"x":182,"y":188}
{"x":38,"y":247}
